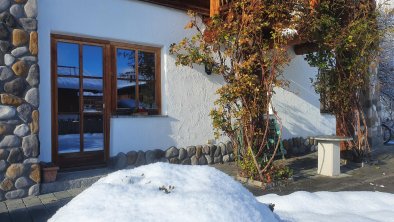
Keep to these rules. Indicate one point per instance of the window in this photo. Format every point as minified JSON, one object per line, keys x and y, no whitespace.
{"x":137,"y":80}
{"x":131,"y":73}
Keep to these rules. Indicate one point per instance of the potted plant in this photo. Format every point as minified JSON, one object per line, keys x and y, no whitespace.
{"x":49,"y":172}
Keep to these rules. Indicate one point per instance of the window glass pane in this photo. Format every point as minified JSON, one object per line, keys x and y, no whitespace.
{"x":67,"y":59}
{"x":92,"y":61}
{"x":68,"y":94}
{"x":68,"y":133}
{"x":126,"y":79}
{"x":146,"y":83}
{"x":146,"y":66}
{"x":93,"y":87}
{"x":93,"y":136}
{"x":125,"y":64}
{"x":147,"y":91}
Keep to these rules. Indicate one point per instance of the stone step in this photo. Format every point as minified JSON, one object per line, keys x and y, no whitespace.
{"x":75,"y":179}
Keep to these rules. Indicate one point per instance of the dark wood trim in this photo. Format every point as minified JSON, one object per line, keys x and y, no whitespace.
{"x":158,"y":81}
{"x":86,"y":159}
{"x":54,"y":100}
{"x":122,"y":45}
{"x":113,"y":79}
{"x":200,"y":6}
{"x":77,"y":39}
{"x":107,"y":100}
{"x":137,"y":87}
{"x":136,"y":48}
{"x":81,"y":116}
{"x":81,"y":158}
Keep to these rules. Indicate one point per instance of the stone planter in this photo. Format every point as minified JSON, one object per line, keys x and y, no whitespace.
{"x":49,"y":173}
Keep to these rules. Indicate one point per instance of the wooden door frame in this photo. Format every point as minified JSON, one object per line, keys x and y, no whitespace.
{"x":63,"y":160}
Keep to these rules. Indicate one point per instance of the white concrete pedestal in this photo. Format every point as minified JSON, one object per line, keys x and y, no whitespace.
{"x":328,"y":158}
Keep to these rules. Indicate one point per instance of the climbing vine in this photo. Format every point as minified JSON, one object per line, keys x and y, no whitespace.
{"x":346,"y":36}
{"x":247,"y":44}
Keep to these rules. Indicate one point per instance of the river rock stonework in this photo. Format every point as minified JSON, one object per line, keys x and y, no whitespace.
{"x":298,"y":146}
{"x":19,"y":100}
{"x":191,"y":155}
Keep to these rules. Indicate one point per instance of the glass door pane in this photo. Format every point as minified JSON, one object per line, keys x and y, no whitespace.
{"x":68,"y":118}
{"x":93,"y":92}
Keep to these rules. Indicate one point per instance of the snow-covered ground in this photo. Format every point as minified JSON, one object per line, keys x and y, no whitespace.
{"x":165,"y":192}
{"x":333,"y":206}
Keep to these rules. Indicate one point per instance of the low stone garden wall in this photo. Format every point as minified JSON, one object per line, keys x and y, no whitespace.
{"x":191,"y":155}
{"x":299,"y":146}
{"x":201,"y":155}
{"x":19,"y":80}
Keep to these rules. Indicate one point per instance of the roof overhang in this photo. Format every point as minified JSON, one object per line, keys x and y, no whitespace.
{"x":200,"y":6}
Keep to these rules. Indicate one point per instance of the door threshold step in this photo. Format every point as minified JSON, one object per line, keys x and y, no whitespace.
{"x":74,"y":179}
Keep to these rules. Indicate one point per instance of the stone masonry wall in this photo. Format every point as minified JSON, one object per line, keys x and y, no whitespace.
{"x":191,"y":155}
{"x":298,"y":146}
{"x":19,"y":79}
{"x":372,"y":110}
{"x":201,"y":155}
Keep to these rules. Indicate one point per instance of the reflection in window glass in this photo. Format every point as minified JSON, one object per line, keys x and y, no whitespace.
{"x":126,"y":79}
{"x":68,"y":94}
{"x":125,"y":64}
{"x":146,"y":77}
{"x":92,"y":95}
{"x":146,"y":66}
{"x":92,"y":61}
{"x":93,"y":136}
{"x":67,"y":59}
{"x":147,"y":94}
{"x":68,"y":133}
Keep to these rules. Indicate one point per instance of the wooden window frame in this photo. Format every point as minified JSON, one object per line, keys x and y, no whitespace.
{"x":89,"y":159}
{"x":157,"y":51}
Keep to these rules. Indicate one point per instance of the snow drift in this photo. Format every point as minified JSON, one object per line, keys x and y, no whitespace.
{"x":165,"y":192}
{"x":333,"y":206}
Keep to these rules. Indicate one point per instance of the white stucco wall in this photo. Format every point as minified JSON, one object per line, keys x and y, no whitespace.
{"x":187,"y":94}
{"x":298,"y":105}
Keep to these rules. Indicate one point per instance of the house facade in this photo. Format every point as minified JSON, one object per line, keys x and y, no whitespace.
{"x":83,"y":81}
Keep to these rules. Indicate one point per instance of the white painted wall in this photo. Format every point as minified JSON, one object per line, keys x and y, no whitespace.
{"x":187,"y":94}
{"x":298,"y":106}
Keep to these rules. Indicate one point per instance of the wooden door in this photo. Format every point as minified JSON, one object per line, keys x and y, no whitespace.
{"x":80,"y":118}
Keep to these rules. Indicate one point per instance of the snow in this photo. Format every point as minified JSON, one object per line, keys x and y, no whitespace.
{"x":288,"y":32}
{"x":347,"y":206}
{"x":202,"y":193}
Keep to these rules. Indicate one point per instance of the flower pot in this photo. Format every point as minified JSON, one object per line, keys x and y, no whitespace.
{"x":49,"y":174}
